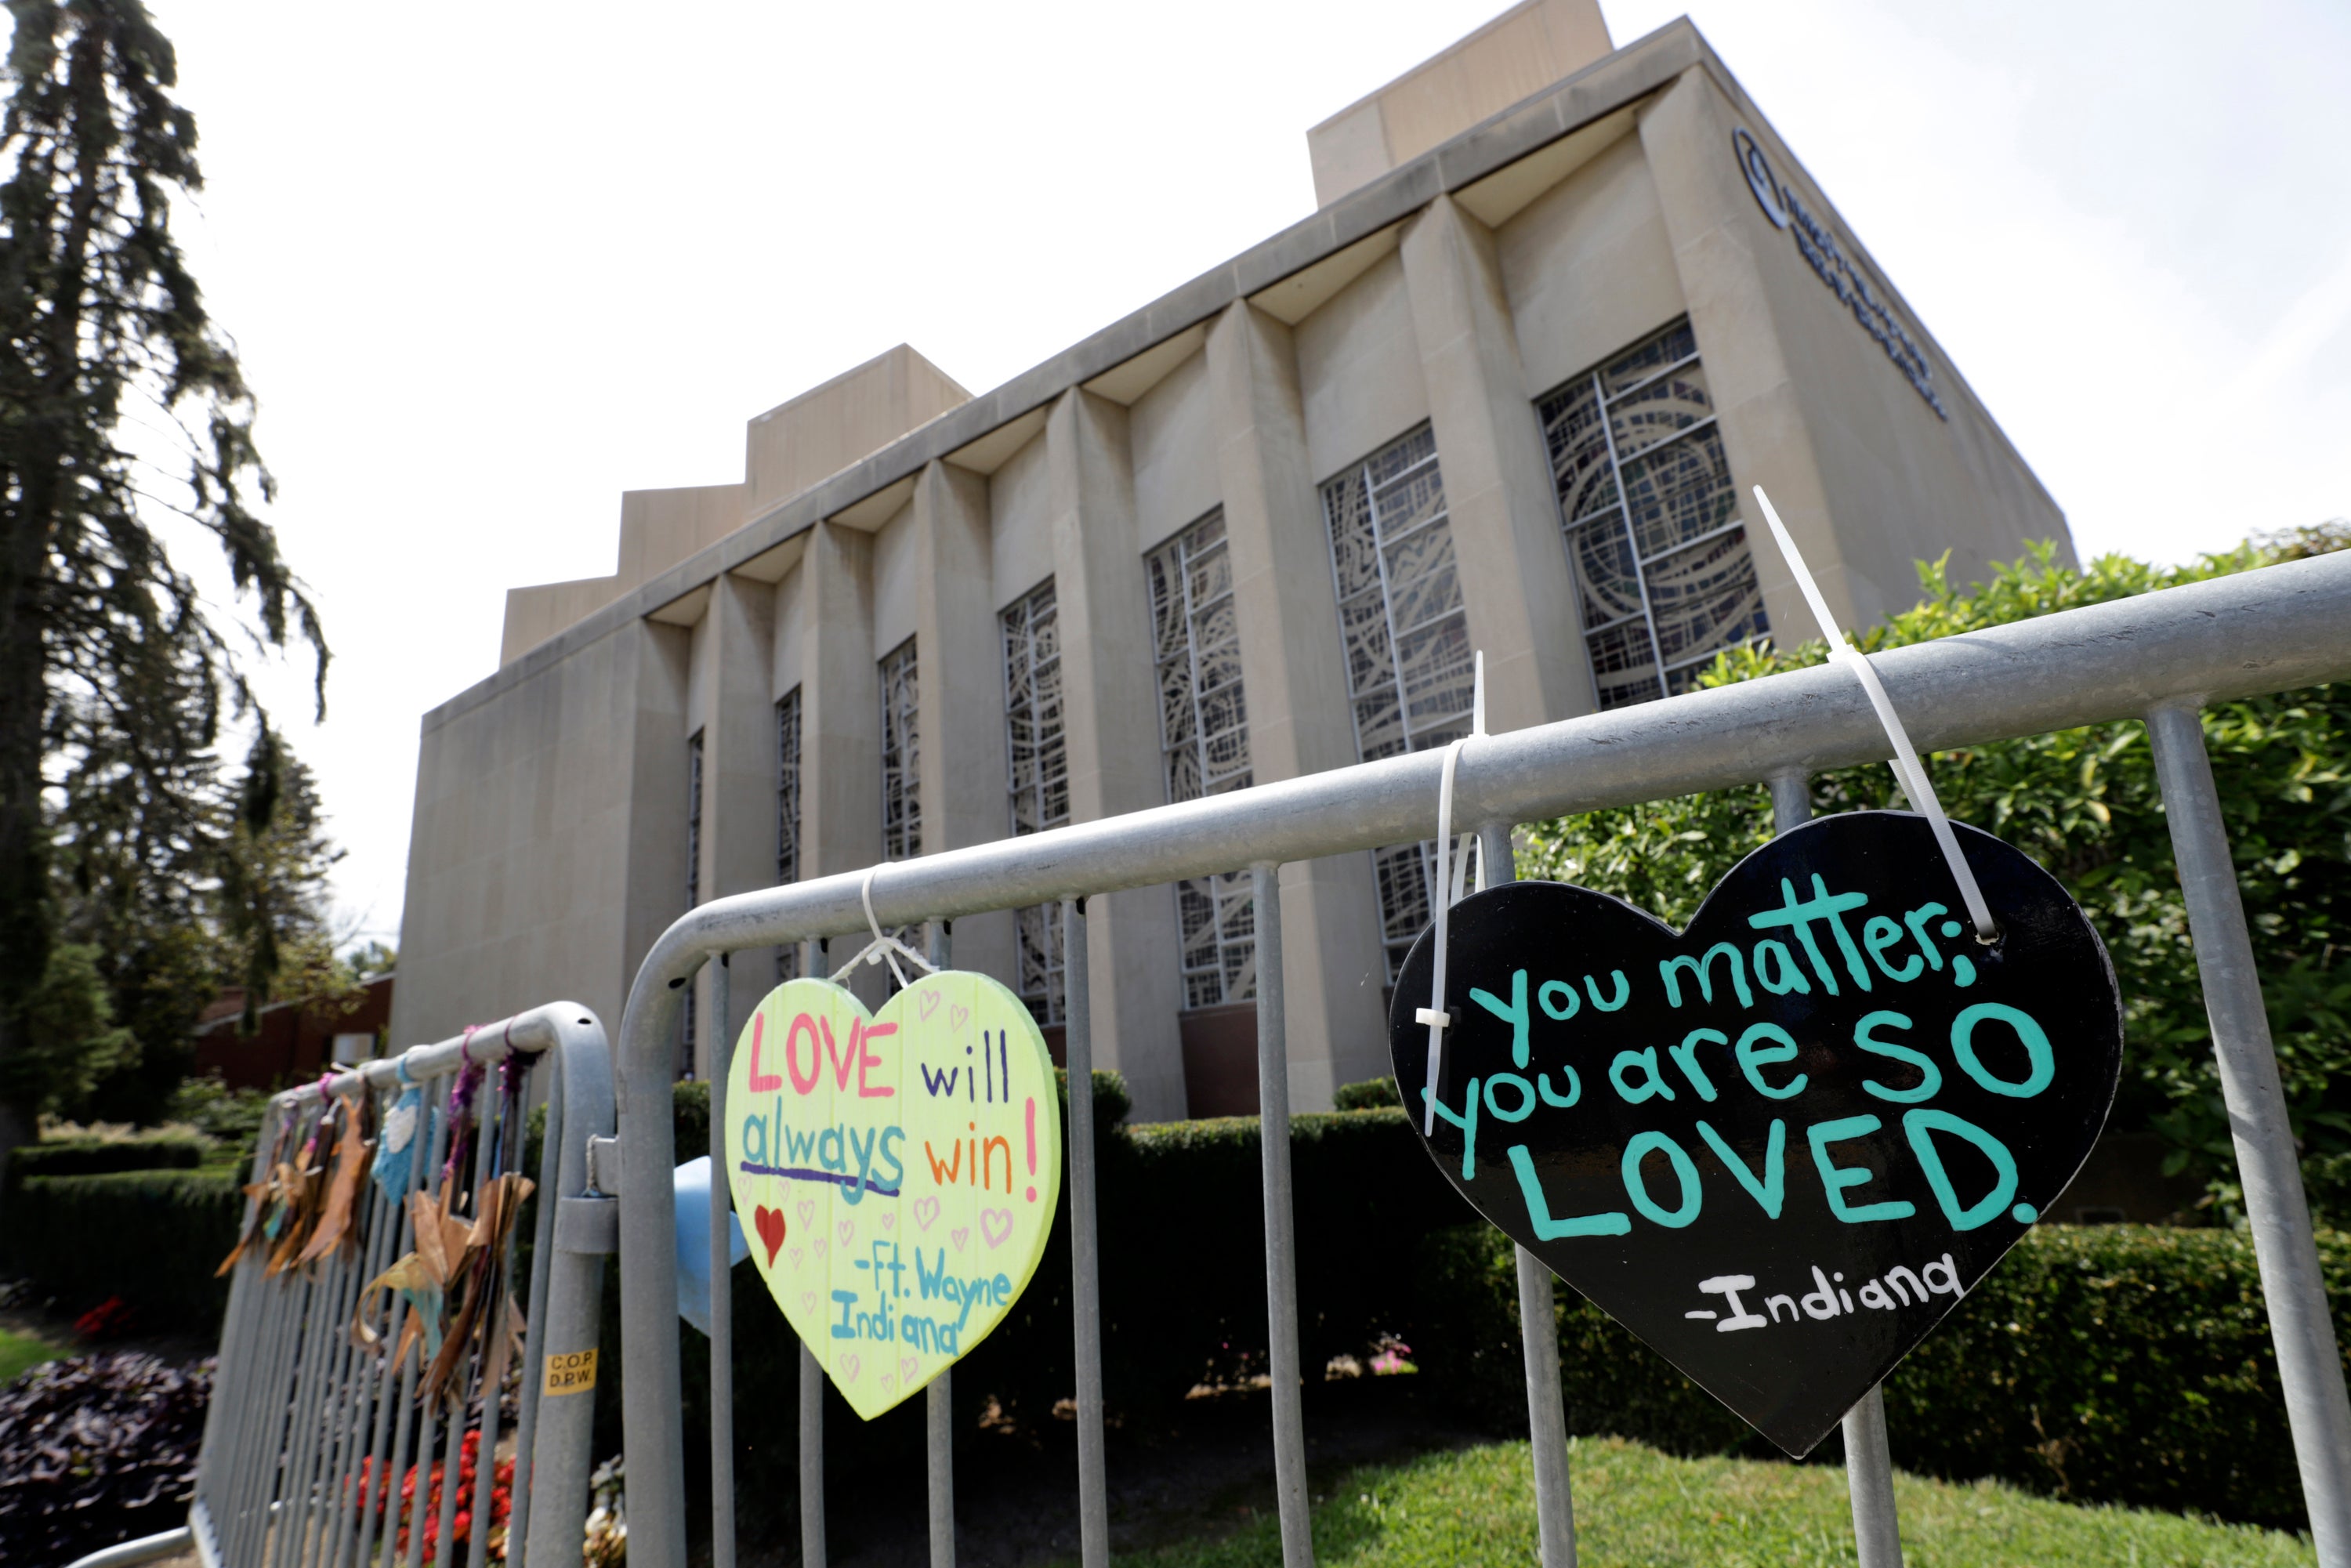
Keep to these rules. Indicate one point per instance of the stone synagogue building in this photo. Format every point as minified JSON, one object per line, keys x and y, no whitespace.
{"x":1506,"y":390}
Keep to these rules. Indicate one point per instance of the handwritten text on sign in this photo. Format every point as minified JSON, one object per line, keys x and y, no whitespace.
{"x":897,"y":1171}
{"x":1780,"y":1146}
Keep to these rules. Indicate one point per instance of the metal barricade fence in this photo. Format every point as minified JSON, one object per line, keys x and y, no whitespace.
{"x":2158,"y":658}
{"x":313,"y":1428}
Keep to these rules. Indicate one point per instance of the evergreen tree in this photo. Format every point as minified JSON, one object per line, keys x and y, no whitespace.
{"x":113,"y":678}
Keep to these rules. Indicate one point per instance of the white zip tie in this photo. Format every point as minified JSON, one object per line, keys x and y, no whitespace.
{"x":1449,"y":880}
{"x":1908,"y":771}
{"x":882,"y":948}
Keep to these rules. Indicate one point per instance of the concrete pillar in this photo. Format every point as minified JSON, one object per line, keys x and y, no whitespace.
{"x":1294,"y":677}
{"x":840,"y":706}
{"x":733,"y":657}
{"x":1111,"y":723}
{"x":962,"y":769}
{"x":1515,"y":584}
{"x":1714,"y":226}
{"x":657,"y":729}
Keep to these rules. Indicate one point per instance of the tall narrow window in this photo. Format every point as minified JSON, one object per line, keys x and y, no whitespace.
{"x":1410,"y":673}
{"x":1660,"y":555}
{"x":1039,"y":779}
{"x":692,"y":875}
{"x":902,"y":800}
{"x":1203,"y":739}
{"x":787,"y":815}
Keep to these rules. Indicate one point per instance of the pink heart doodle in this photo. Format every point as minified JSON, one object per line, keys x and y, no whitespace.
{"x":959,"y":1235}
{"x":888,"y":1383}
{"x":794,"y":1254}
{"x":808,"y":1214}
{"x":927,"y":1212}
{"x":808,"y":1300}
{"x":996,"y":1225}
{"x":889,"y":1219}
{"x":850,"y":1368}
{"x":847,"y":1229}
{"x":907,"y":1366}
{"x":929,"y":1003}
{"x":817,"y":1248}
{"x":957,"y":1016}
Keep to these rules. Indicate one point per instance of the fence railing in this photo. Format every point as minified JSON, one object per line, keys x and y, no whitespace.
{"x":313,"y":1428}
{"x":2158,"y":658}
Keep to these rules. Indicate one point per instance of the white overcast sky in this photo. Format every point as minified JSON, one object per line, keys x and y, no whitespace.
{"x":491,"y":264}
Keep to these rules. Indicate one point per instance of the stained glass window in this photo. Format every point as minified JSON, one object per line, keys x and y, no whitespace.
{"x":902,"y":800}
{"x":1039,"y":765}
{"x":1410,"y":672}
{"x":1661,"y":559}
{"x":1203,"y":745}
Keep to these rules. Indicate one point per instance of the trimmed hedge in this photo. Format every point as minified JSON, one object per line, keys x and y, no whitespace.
{"x":2107,"y":1363}
{"x":152,"y":1236}
{"x":104,"y":1156}
{"x":2100,"y":1363}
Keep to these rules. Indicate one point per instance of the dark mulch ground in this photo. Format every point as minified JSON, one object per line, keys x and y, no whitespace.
{"x":1207,"y":1470}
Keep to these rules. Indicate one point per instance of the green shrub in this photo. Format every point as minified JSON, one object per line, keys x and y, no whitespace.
{"x":2100,"y":1363}
{"x":2105,"y":1363}
{"x":152,"y":1236}
{"x":1372,"y":1094}
{"x":233,"y":1116}
{"x":2085,"y":803}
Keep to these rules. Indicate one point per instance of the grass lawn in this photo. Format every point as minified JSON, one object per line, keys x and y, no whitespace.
{"x":20,"y":1353}
{"x":1635,"y":1506}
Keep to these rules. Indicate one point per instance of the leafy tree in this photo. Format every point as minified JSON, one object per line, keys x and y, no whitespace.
{"x":275,"y":862}
{"x":71,"y":1039}
{"x":113,"y":676}
{"x":235,"y":895}
{"x":2086,"y":804}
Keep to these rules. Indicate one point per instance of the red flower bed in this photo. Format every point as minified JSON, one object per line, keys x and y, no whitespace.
{"x":461,"y":1528}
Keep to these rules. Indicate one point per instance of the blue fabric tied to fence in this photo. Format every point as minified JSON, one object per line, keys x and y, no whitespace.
{"x":395,"y":1149}
{"x":693,"y":1189}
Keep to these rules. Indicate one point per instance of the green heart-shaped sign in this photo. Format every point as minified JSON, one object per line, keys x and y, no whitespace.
{"x":897,"y":1172}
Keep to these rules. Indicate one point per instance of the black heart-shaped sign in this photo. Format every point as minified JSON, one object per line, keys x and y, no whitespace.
{"x":1780,"y":1146}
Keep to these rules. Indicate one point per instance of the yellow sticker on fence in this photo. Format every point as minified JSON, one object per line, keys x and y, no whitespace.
{"x":572,"y":1373}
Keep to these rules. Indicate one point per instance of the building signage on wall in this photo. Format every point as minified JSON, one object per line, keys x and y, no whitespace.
{"x":1820,"y":249}
{"x":1780,"y":1144}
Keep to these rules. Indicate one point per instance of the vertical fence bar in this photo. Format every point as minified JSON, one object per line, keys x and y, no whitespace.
{"x":279,"y":1362}
{"x":453,"y":1461}
{"x":1085,"y":1275}
{"x":812,"y":1555}
{"x":295,"y":1491}
{"x":380,"y":1457}
{"x":311,"y":1314}
{"x":722,"y":1275}
{"x":486,"y":1465}
{"x":1280,"y":1226}
{"x":811,"y":1460}
{"x":542,"y":1260}
{"x":1538,"y":1322}
{"x":2310,"y":1364}
{"x":367,"y":1393}
{"x":1869,"y":1482}
{"x":938,"y":1399}
{"x":419,"y":1180}
{"x":228,"y":1422}
{"x":1868,"y":1461}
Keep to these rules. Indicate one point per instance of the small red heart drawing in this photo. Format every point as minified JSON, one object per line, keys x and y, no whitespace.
{"x":770,"y":1222}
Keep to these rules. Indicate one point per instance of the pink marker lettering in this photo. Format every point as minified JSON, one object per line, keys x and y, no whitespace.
{"x":761,"y":1084}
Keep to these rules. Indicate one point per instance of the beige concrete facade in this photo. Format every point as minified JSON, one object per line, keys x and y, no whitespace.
{"x":1499,"y":228}
{"x":1523,"y":50}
